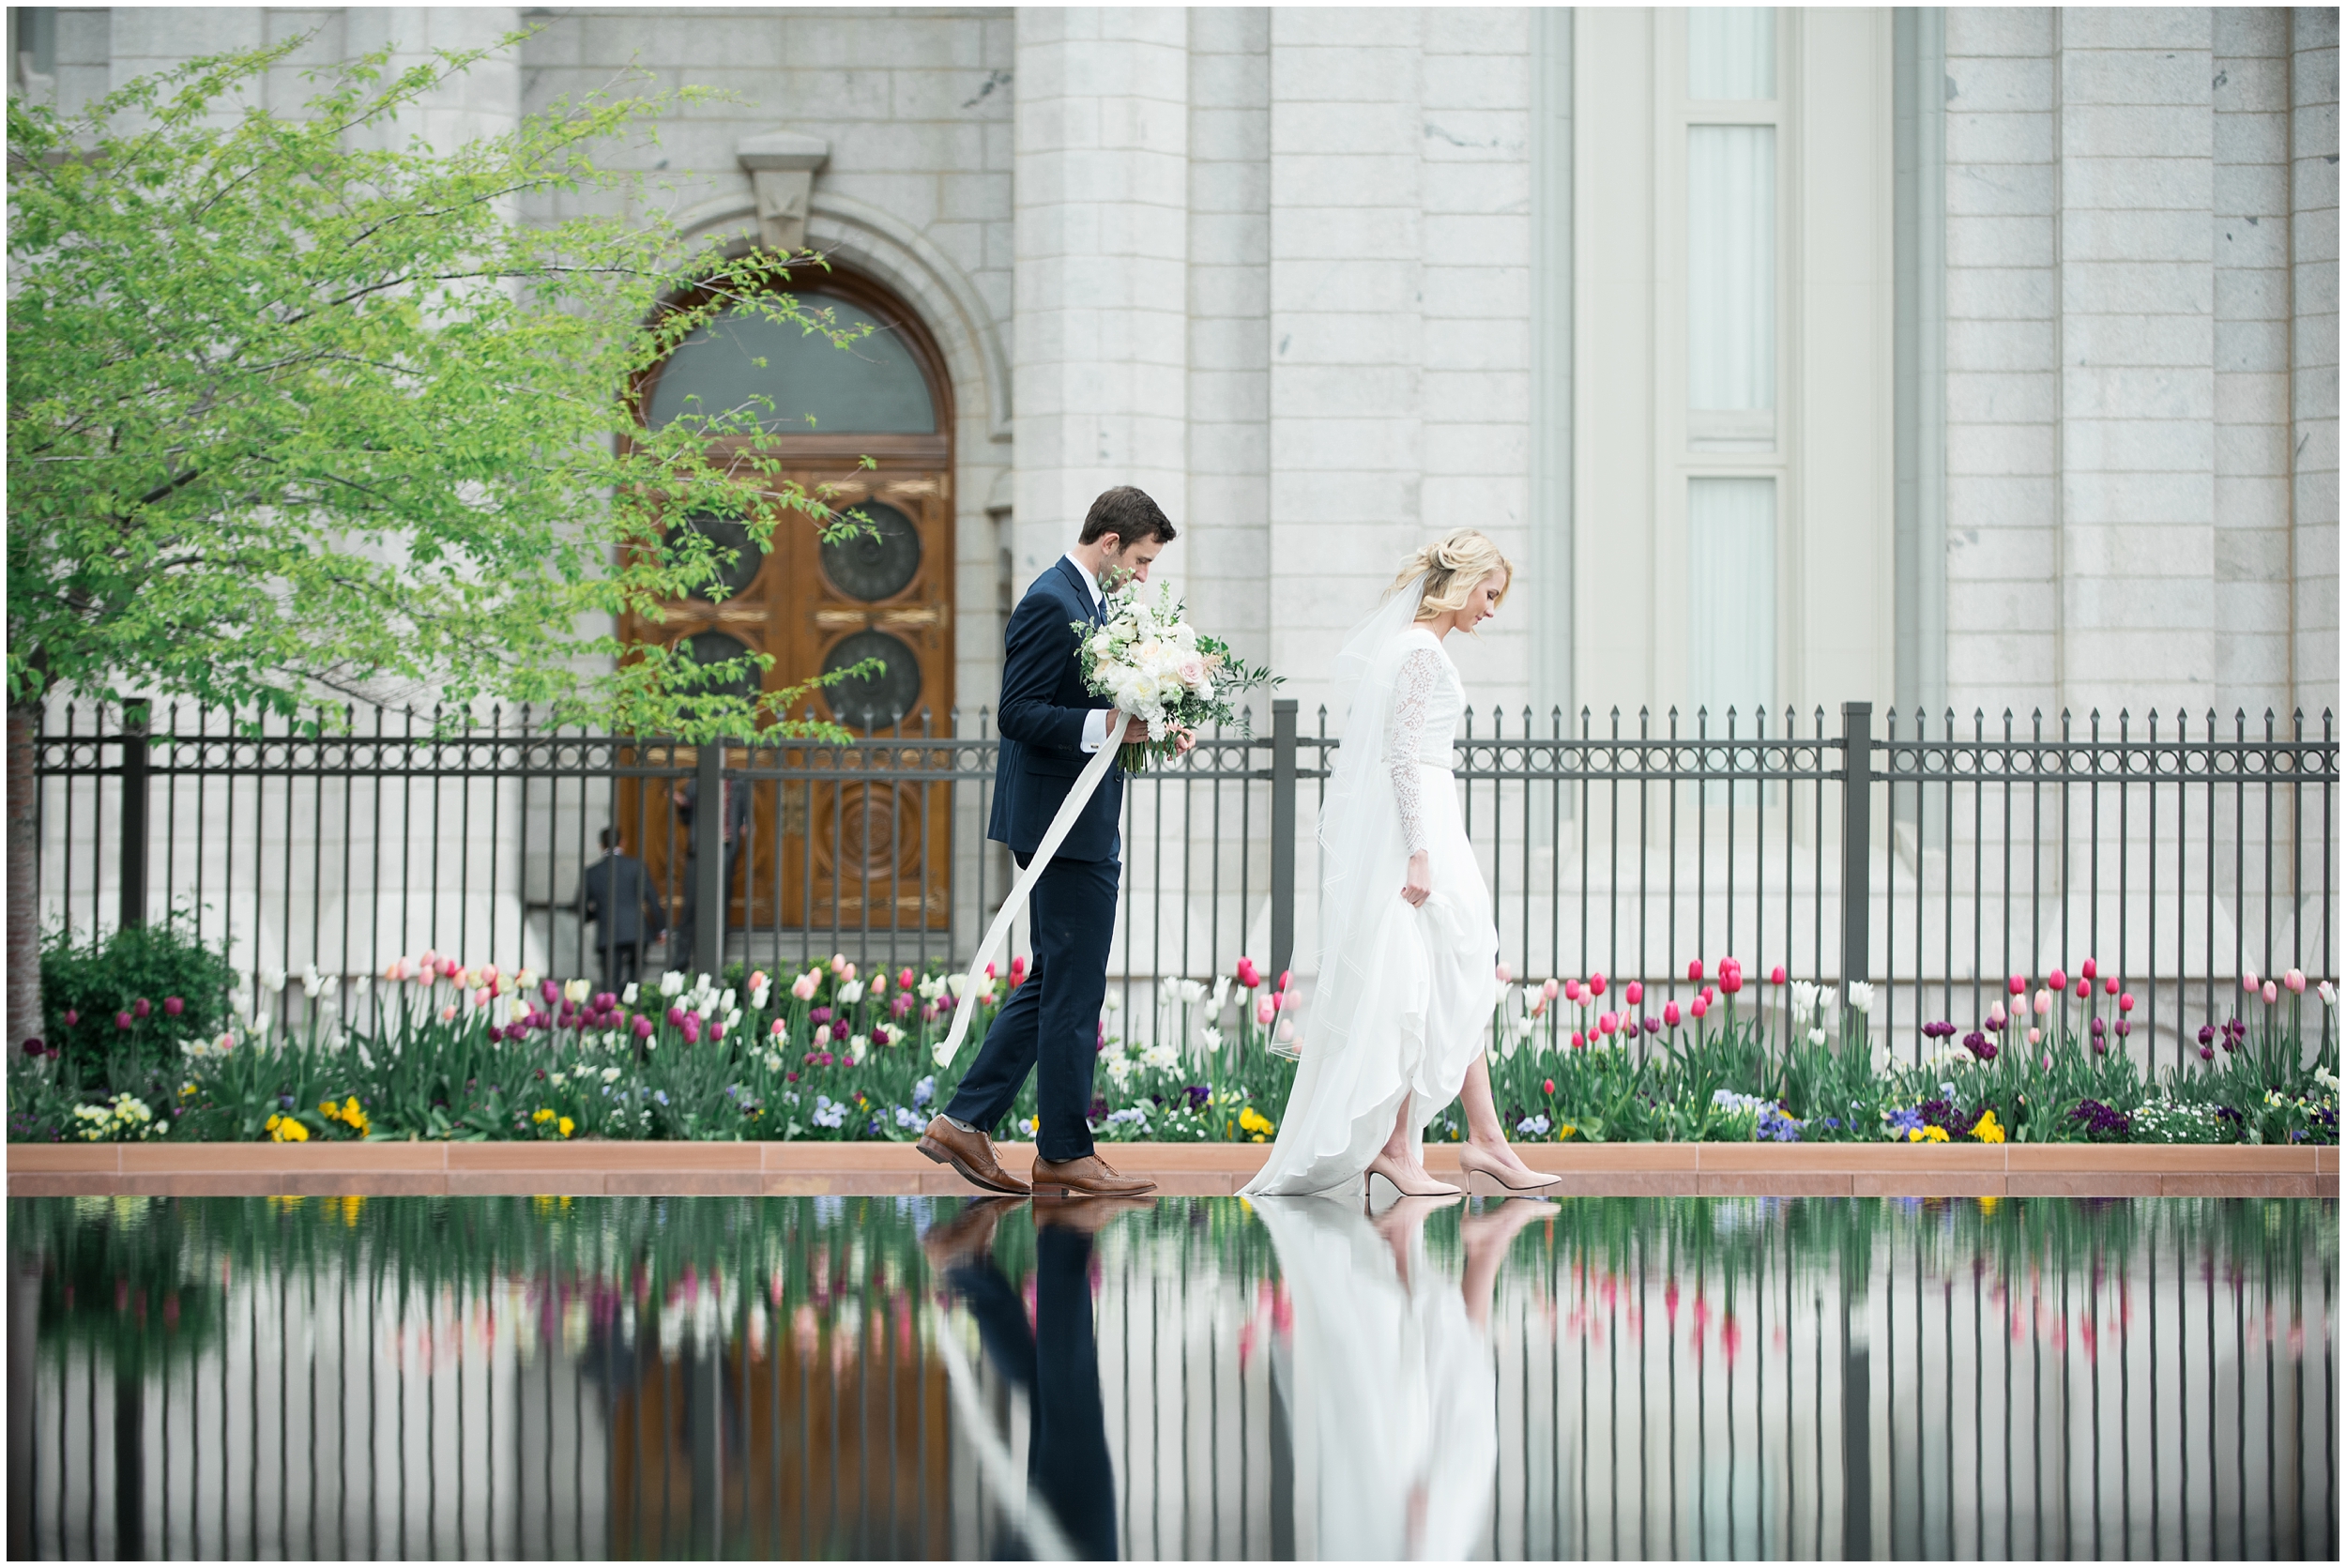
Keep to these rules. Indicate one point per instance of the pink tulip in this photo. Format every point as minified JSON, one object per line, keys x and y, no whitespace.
{"x":1597,"y":984}
{"x":1632,"y":993}
{"x":676,"y":1017}
{"x":448,"y":1014}
{"x":1248,"y":976}
{"x":2044,"y":1003}
{"x":804,"y":987}
{"x":1572,"y":990}
{"x":2087,"y":969}
{"x":1776,"y":976}
{"x":2272,"y":992}
{"x":1731,"y":976}
{"x":692,"y":1028}
{"x":489,"y":973}
{"x":1710,"y":996}
{"x":1670,"y":1013}
{"x":1265,"y":1010}
{"x":2248,"y":980}
{"x":2047,"y":1063}
{"x":448,"y":969}
{"x":1605,"y":1023}
{"x":1505,"y":974}
{"x":2110,"y":986}
{"x":1548,"y":1086}
{"x":1701,"y":1004}
{"x":822,"y":1035}
{"x":2037,"y":1037}
{"x":480,"y":997}
{"x":2085,"y":989}
{"x":2058,"y":980}
{"x":2126,"y":1001}
{"x":431,"y":959}
{"x":1548,"y":991}
{"x":2295,"y":981}
{"x":2018,"y":986}
{"x":1579,"y":1041}
{"x":1694,"y":972}
{"x":1995,"y":1013}
{"x":643,"y":1026}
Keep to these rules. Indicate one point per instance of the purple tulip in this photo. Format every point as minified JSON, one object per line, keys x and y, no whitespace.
{"x":71,"y":1017}
{"x":122,"y":1020}
{"x":643,"y":1027}
{"x":142,"y":1007}
{"x":173,"y":1007}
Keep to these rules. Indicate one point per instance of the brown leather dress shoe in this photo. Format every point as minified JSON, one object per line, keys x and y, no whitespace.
{"x":970,"y":1154}
{"x":1088,"y":1177}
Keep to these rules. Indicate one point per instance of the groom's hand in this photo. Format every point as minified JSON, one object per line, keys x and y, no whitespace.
{"x":1182,"y":741}
{"x":1135,"y":732}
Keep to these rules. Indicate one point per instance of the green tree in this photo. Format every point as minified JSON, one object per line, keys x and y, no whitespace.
{"x":298,"y":409}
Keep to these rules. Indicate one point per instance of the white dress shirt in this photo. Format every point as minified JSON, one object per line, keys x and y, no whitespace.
{"x":1096,"y":722}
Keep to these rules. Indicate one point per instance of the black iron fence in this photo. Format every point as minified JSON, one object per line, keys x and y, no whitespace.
{"x":1928,"y":858}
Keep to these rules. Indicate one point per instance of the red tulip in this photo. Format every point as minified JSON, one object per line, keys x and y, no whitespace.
{"x":1248,"y":975}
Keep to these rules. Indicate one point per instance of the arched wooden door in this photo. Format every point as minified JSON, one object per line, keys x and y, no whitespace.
{"x":844,"y":849}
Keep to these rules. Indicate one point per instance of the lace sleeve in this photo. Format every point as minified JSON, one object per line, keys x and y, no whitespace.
{"x":1405,"y":738}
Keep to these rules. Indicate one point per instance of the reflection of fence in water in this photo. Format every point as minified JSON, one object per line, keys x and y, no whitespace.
{"x":1700,"y":1379}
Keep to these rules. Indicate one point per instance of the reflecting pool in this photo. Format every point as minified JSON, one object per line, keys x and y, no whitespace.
{"x":1192,"y":1377}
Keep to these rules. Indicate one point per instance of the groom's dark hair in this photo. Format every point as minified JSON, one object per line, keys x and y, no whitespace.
{"x":1129,"y":515}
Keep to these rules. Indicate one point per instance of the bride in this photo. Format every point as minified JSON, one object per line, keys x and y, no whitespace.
{"x":1408,"y":951}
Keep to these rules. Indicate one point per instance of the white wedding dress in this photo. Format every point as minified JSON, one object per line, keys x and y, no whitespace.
{"x":1404,"y":995}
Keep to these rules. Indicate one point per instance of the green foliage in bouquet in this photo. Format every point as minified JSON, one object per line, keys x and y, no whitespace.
{"x":1154,"y":665}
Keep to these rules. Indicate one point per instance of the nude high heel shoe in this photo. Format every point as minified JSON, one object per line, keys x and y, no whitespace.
{"x":1475,"y":1163}
{"x":1378,"y":1167}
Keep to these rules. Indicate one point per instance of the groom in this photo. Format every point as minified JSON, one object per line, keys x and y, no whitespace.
{"x":1050,"y":724}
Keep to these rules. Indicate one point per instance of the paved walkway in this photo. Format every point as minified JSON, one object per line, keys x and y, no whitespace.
{"x":793,"y":1169}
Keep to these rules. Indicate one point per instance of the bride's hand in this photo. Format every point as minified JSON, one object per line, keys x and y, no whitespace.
{"x":1419,"y":885}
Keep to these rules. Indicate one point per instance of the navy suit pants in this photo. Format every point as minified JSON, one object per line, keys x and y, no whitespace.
{"x":1051,"y":1024}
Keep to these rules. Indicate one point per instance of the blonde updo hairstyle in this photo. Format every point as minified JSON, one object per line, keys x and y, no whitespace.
{"x":1453,"y":566}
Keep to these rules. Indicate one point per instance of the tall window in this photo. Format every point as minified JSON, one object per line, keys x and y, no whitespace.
{"x":1734,"y":458}
{"x":1731,"y":613}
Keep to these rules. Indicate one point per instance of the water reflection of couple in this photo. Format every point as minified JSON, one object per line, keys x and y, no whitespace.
{"x":1387,"y":1377}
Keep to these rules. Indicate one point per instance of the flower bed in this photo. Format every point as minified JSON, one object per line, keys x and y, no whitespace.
{"x":835,"y":1053}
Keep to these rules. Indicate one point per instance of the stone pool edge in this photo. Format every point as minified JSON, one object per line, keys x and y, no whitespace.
{"x":829,"y":1169}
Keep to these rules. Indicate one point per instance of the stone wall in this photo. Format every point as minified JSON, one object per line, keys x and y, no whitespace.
{"x":2130,"y":522}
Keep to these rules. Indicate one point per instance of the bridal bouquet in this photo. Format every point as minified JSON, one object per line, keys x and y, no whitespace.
{"x":1153,"y":664}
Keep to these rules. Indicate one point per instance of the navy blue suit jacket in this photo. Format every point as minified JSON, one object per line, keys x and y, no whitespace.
{"x":1041,"y":719}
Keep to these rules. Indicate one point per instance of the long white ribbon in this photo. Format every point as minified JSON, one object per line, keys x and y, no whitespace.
{"x":1078,"y":795}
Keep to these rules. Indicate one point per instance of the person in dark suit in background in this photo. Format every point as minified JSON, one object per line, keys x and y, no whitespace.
{"x":1051,"y":723}
{"x":733,"y":829}
{"x":616,"y":894}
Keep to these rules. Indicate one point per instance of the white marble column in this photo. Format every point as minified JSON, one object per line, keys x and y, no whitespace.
{"x":1100,"y":192}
